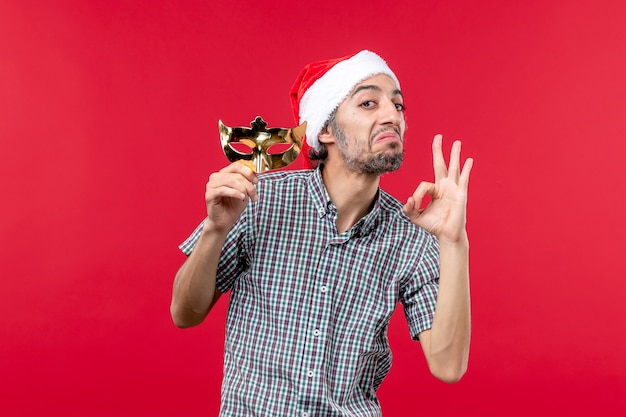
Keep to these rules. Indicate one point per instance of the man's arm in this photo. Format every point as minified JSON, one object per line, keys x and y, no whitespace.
{"x":446,"y":343}
{"x":194,"y":291}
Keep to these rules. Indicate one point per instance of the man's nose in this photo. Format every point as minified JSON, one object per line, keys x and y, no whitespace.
{"x":390,"y":113}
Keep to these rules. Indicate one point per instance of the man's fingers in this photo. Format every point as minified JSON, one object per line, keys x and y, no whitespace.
{"x":214,"y":194}
{"x":238,"y":178}
{"x":455,"y":164}
{"x":453,"y":170}
{"x":439,"y":164}
{"x":251,"y":177}
{"x":409,"y":207}
{"x":415,"y":201}
{"x":465,"y":173}
{"x":243,"y":168}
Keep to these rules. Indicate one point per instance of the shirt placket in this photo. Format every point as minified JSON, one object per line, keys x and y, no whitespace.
{"x":312,"y":373}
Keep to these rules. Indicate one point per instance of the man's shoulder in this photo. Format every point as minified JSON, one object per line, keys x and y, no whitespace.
{"x":392,"y":207}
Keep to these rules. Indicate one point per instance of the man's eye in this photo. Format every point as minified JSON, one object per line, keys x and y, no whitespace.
{"x":368,"y":104}
{"x":400,"y":106}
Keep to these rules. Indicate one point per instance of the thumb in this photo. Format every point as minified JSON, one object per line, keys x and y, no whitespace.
{"x":412,"y":209}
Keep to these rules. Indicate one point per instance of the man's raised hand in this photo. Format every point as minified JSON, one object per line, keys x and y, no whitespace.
{"x":444,"y":216}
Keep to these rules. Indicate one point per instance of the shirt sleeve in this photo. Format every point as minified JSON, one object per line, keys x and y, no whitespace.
{"x":233,"y":258}
{"x":187,"y":246}
{"x":419,"y":294}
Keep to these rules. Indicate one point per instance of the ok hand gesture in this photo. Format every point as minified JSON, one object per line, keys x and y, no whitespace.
{"x":444,"y":216}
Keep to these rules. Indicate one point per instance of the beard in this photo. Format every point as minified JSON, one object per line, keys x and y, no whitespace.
{"x":359,"y":159}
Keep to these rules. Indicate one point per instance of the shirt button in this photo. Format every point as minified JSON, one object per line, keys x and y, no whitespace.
{"x":316,"y":332}
{"x":304,"y":414}
{"x":310,"y":374}
{"x":323,"y":288}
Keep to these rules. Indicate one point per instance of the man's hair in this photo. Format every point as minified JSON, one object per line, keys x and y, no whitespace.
{"x":319,"y":156}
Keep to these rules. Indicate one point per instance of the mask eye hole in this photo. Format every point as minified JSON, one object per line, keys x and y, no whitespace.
{"x":240,"y":148}
{"x":279,"y":148}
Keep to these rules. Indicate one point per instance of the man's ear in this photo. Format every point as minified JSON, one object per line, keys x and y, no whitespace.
{"x":326,"y":135}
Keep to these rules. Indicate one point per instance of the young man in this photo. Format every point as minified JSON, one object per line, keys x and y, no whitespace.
{"x":316,"y":260}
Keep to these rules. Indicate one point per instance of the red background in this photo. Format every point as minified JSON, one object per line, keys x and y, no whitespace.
{"x":108,"y":128}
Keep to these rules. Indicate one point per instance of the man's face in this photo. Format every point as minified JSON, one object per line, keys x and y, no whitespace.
{"x":369,"y":127}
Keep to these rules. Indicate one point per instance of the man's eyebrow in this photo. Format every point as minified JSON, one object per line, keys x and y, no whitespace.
{"x":373,"y":87}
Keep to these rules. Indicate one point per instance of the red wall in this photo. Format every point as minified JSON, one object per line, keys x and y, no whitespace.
{"x":108,"y":131}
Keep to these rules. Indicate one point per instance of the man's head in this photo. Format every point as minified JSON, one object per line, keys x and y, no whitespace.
{"x":325,"y":90}
{"x":367,"y":129}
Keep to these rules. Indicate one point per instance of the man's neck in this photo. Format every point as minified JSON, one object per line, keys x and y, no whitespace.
{"x":352,"y":193}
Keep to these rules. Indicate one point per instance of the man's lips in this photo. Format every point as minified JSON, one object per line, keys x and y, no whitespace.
{"x":387,"y":137}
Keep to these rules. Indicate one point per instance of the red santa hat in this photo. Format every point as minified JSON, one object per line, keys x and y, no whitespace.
{"x":322,"y":86}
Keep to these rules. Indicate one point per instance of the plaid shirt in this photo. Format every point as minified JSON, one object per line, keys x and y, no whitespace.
{"x":306,"y":332}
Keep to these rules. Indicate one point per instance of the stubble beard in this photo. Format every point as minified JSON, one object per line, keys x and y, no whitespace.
{"x":362,"y":162}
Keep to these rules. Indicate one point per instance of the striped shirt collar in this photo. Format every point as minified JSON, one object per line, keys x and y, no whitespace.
{"x":325,"y":206}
